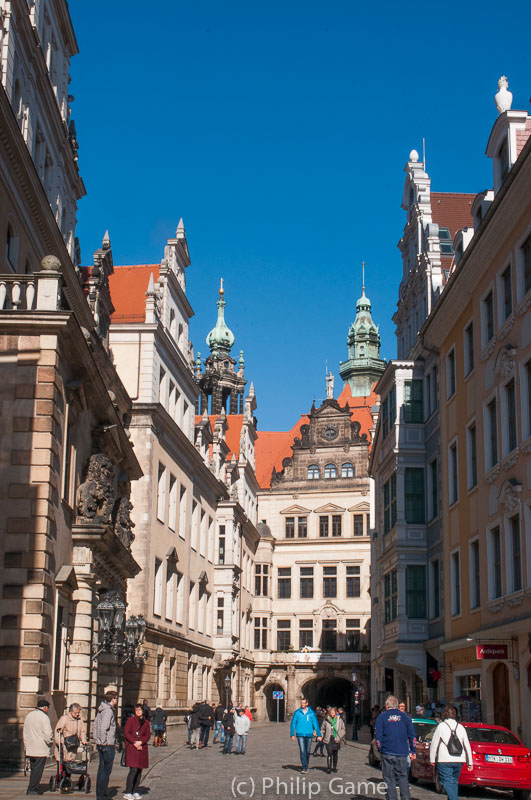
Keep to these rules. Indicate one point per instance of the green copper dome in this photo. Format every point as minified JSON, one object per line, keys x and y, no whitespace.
{"x":220,"y":337}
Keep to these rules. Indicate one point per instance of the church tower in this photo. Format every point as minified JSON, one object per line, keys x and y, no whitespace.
{"x":221,"y":384}
{"x":364,"y":367}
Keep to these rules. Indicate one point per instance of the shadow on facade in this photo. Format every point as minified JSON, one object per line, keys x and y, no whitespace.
{"x":330,"y":691}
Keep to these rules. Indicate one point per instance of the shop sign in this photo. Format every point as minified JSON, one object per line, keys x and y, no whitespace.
{"x":493,"y":651}
{"x":326,"y":658}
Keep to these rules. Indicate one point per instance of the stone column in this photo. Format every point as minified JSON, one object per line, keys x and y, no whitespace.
{"x":79,"y":688}
{"x":291,"y":694}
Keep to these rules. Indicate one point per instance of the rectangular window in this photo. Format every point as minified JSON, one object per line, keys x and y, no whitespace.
{"x":182,"y":512}
{"x":469,"y":348}
{"x":453,"y":477}
{"x":60,"y":648}
{"x":221,"y":545}
{"x":390,"y":596}
{"x":433,"y":495}
{"x":388,"y":412}
{"x":353,"y":581}
{"x":510,"y":402}
{"x":526,"y":404}
{"x":305,"y":633}
{"x":455,"y":576}
{"x":329,"y":635}
{"x":450,"y":374}
{"x":416,"y":591}
{"x":492,"y":428}
{"x":284,"y":583}
{"x":261,"y":580}
{"x":283,"y":634}
{"x":157,"y":594}
{"x":336,"y":525}
{"x":506,"y":292}
{"x":496,"y":563}
{"x":516,"y":553}
{"x":472,"y":456}
{"x":390,"y":503}
{"x":260,"y":633}
{"x":359,"y":520}
{"x":161,"y":493}
{"x":435,"y":589}
{"x":431,"y":392}
{"x":488,"y":317}
{"x":192,"y":606}
{"x":172,"y":517}
{"x":526,"y":264}
{"x":180,"y":598}
{"x":290,"y":527}
{"x":171,"y":578}
{"x":352,"y":636}
{"x":329,"y":581}
{"x":413,"y":401}
{"x":323,"y":526}
{"x":475,"y":575}
{"x":414,"y":495}
{"x":306,"y":583}
{"x":202,"y":533}
{"x":302,"y":527}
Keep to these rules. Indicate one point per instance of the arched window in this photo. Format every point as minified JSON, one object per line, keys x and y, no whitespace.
{"x":347,"y":470}
{"x":330,"y":471}
{"x":313,"y":472}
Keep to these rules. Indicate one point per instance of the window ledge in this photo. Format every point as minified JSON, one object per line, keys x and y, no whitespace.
{"x":488,"y":349}
{"x":506,"y":326}
{"x":469,"y":374}
{"x":516,"y":598}
{"x":496,"y":605}
{"x":525,"y":447}
{"x":510,"y":459}
{"x":524,"y":305}
{"x":475,"y":609}
{"x":472,"y":489}
{"x":492,"y":474}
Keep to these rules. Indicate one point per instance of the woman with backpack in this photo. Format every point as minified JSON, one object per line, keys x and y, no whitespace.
{"x":333,"y":731}
{"x":450,"y":749}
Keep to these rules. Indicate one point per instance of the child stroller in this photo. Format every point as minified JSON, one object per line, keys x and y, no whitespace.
{"x":67,"y":771}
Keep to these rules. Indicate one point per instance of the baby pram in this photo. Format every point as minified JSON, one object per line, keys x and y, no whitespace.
{"x":67,"y":772}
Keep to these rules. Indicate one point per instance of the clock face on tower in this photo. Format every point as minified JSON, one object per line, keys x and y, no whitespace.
{"x":330,"y":433}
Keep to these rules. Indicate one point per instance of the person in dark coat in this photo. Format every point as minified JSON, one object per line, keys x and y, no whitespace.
{"x":228,"y":727}
{"x":147,"y":711}
{"x":159,"y":726}
{"x":136,"y":734}
{"x":206,"y":720}
{"x":219,"y":713}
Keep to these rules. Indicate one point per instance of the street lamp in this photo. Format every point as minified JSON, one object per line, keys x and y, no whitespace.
{"x":116,"y":635}
{"x":354,"y":676}
{"x":227,"y":690}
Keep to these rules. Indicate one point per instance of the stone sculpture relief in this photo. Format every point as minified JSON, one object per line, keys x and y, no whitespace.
{"x":123,"y":524}
{"x":95,"y":499}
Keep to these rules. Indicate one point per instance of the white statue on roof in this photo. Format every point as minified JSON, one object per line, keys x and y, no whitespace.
{"x":330,"y":386}
{"x":503,"y":97}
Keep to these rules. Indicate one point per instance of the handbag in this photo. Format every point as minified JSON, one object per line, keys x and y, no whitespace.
{"x":72,"y":743}
{"x":122,"y":758}
{"x":335,"y":744}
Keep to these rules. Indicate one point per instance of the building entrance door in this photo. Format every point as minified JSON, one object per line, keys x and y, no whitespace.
{"x":500,"y":693}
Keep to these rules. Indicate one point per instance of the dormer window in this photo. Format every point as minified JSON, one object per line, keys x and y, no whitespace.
{"x":503,"y":156}
{"x":447,"y":248}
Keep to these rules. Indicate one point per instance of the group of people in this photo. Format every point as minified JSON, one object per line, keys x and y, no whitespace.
{"x":327,"y":725}
{"x":395,"y":738}
{"x":70,"y":734}
{"x":228,"y":722}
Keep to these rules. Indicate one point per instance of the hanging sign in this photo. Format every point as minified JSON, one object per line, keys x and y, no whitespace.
{"x":493,"y":651}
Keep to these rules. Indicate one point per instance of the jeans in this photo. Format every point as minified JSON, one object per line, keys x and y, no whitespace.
{"x":394,"y":769}
{"x":194,"y":740}
{"x":305,"y":747}
{"x":228,"y":742}
{"x":106,"y":754}
{"x":449,"y":774}
{"x":219,"y":727}
{"x":37,"y":768}
{"x":203,"y":736}
{"x":133,"y":780}
{"x":319,"y":748}
{"x":241,"y":739}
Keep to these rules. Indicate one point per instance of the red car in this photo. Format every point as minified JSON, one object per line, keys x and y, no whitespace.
{"x":500,"y":761}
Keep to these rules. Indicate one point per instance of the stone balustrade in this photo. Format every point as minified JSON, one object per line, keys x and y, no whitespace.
{"x":17,"y":292}
{"x":39,"y":291}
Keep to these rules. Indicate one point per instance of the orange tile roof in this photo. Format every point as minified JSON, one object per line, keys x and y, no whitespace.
{"x":128,"y":286}
{"x":452,"y":210}
{"x":234,"y":430}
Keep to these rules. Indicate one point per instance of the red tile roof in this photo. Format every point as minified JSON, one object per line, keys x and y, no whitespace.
{"x":234,"y":430}
{"x":128,"y":286}
{"x":452,"y":210}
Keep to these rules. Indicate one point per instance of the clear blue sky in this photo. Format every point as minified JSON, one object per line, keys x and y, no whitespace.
{"x":279,"y":132}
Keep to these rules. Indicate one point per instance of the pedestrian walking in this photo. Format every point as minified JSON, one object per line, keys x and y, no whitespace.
{"x":38,"y":736}
{"x":242,"y":723}
{"x":449,"y":750}
{"x":159,"y":726}
{"x":320,"y":713}
{"x":419,"y":711}
{"x":229,"y":728}
{"x":206,"y":721}
{"x":104,"y":735}
{"x":195,"y":727}
{"x":333,"y":731}
{"x":218,"y":719}
{"x":304,"y":725}
{"x":136,"y":734}
{"x":147,"y":710}
{"x":402,"y":706}
{"x":72,"y":728}
{"x":375,"y":710}
{"x":395,"y":739}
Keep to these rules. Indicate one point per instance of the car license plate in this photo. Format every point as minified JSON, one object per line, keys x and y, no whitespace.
{"x":500,"y":759}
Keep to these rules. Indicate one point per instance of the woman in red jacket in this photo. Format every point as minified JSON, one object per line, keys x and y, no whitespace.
{"x":136,"y":733}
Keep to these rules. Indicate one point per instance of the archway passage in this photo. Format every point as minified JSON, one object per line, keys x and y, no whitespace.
{"x":275,"y":708}
{"x":330,"y":692}
{"x":500,"y":692}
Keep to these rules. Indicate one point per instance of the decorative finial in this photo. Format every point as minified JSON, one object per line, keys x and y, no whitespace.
{"x":414,"y":156}
{"x":363,"y":279}
{"x":180,"y":233}
{"x":503,"y":97}
{"x":221,"y":289}
{"x":106,"y":243}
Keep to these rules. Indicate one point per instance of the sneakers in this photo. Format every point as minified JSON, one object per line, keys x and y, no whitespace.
{"x":129,"y":797}
{"x":137,"y":796}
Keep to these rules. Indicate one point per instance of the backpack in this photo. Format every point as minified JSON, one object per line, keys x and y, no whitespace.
{"x":454,"y":746}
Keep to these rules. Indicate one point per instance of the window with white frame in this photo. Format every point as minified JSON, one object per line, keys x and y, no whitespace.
{"x":313,"y":472}
{"x":510,"y":437}
{"x":455,"y":578}
{"x":202,"y":533}
{"x":494,"y":551}
{"x":179,"y":582}
{"x":453,"y":474}
{"x":157,"y":589}
{"x":390,"y":596}
{"x":347,"y":470}
{"x":414,"y":499}
{"x":162,"y":386}
{"x":505,"y":294}
{"x":172,"y":515}
{"x":491,"y":433}
{"x":220,"y":616}
{"x":182,"y":512}
{"x":475,"y":573}
{"x":161,"y":493}
{"x":433,"y":490}
{"x":171,"y":581}
{"x":469,"y":348}
{"x":260,"y":633}
{"x":471,"y":455}
{"x":360,"y":523}
{"x":431,"y":391}
{"x":388,"y":411}
{"x":413,"y":401}
{"x":192,"y":606}
{"x":353,"y":585}
{"x":390,"y":503}
{"x":487,"y":318}
{"x":195,"y":525}
{"x":515,"y":550}
{"x":435,"y":589}
{"x":450,"y":374}
{"x":330,"y":471}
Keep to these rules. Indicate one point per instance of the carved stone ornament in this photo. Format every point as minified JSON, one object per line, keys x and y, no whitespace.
{"x":95,"y":499}
{"x":123,"y":524}
{"x":491,"y":476}
{"x":505,"y":362}
{"x":509,"y":496}
{"x":509,"y":462}
{"x":496,"y":607}
{"x":486,"y":354}
{"x":506,"y":328}
{"x":50,"y":264}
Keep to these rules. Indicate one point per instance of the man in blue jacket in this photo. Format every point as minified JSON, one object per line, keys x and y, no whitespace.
{"x":303,"y":726}
{"x":395,"y":738}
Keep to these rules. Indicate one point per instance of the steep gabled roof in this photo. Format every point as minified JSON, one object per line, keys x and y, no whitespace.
{"x":452,"y":210}
{"x":128,"y":287}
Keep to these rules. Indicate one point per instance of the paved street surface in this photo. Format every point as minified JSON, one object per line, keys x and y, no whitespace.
{"x":270,"y":768}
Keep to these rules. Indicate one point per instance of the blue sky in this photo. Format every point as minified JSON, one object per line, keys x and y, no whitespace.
{"x":279,"y":132}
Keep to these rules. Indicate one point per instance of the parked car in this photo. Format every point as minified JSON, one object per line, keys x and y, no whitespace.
{"x":421,"y":725}
{"x":500,"y":760}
